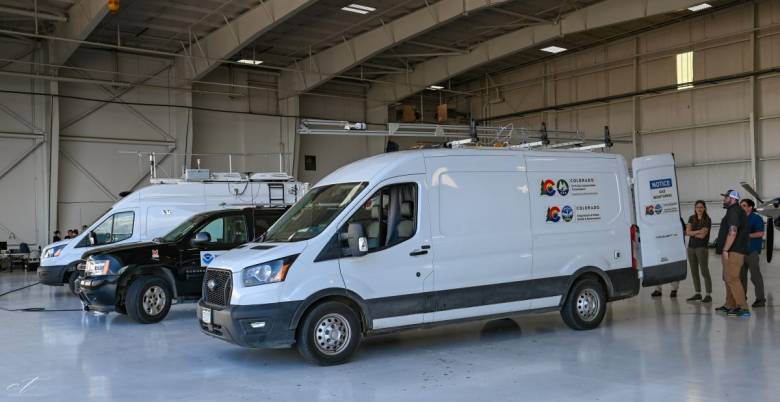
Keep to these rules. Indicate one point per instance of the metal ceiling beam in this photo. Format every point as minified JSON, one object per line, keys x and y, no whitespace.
{"x":83,"y":17}
{"x":323,"y":66}
{"x":434,"y":71}
{"x":236,"y":34}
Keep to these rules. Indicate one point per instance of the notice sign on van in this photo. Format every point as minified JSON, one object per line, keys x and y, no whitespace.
{"x":571,"y":186}
{"x":662,"y":198}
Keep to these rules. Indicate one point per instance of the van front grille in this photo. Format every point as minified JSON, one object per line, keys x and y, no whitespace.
{"x":218,"y":294}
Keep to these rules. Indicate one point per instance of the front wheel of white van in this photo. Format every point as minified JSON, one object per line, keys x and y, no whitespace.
{"x":329,"y":334}
{"x":585,"y":305}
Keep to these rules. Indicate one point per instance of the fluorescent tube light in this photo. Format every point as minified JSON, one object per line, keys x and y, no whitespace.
{"x":554,"y":49}
{"x":358,"y":9}
{"x":435,"y":87}
{"x":699,"y":7}
{"x":251,"y":62}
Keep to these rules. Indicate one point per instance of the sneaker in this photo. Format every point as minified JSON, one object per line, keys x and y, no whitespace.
{"x":722,"y":309}
{"x":695,"y":297}
{"x":656,"y":293}
{"x":707,"y":299}
{"x":673,"y":294}
{"x":738,"y":312}
{"x":759,"y":303}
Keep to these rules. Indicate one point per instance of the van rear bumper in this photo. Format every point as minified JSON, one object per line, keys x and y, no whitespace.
{"x":233,"y":324}
{"x":625,"y":283}
{"x":664,"y":273}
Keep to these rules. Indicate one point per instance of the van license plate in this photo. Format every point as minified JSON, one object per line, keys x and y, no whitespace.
{"x":206,"y":315}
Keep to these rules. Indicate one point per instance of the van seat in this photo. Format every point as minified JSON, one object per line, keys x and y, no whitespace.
{"x":372,"y":231}
{"x":405,"y":228}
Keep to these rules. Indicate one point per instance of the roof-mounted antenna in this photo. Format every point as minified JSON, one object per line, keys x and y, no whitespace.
{"x":607,"y":138}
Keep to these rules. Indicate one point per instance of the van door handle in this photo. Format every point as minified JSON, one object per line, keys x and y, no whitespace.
{"x":418,"y":252}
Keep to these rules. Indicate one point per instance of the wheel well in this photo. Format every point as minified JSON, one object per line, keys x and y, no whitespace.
{"x":340,"y":299}
{"x":131,"y":274}
{"x":592,"y":273}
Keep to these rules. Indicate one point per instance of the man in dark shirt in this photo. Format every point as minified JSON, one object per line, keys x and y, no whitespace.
{"x":56,"y":236}
{"x":732,"y":245}
{"x":756,"y":229}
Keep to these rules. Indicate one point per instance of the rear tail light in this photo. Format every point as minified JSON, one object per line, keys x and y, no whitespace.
{"x":634,"y":246}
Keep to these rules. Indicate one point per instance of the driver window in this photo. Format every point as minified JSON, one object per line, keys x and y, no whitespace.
{"x":227,"y":230}
{"x":389,"y":217}
{"x":115,"y":228}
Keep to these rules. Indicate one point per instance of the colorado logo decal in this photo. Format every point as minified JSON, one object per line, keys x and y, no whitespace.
{"x":548,"y":187}
{"x":553,"y":214}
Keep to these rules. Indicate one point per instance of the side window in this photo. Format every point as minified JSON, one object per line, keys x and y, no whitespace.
{"x":389,"y":217}
{"x":264,"y":220}
{"x":227,"y":230}
{"x":115,"y":228}
{"x":123,"y":226}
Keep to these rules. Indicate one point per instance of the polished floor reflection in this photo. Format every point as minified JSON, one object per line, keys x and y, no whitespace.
{"x":647,"y":349}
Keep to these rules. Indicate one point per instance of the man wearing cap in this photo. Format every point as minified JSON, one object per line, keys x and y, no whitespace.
{"x":732,"y":245}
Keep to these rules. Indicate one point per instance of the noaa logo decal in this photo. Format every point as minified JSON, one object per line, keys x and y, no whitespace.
{"x":207,"y":258}
{"x":658,"y":209}
{"x":563,"y":187}
{"x":548,"y":187}
{"x":567,"y":213}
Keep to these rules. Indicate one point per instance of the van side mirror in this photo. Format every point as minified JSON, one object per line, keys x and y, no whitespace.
{"x":201,"y":239}
{"x":356,"y":239}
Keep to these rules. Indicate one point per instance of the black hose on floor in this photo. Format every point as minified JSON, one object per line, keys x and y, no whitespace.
{"x":31,"y":309}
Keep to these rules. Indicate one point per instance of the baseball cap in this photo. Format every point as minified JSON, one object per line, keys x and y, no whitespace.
{"x":731,"y":194}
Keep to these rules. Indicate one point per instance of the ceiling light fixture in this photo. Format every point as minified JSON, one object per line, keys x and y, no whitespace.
{"x":435,"y":87}
{"x":553,"y":49}
{"x":251,"y":62}
{"x":699,"y":7}
{"x":358,"y":8}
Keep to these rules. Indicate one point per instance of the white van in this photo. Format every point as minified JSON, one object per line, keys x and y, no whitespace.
{"x":155,"y":210}
{"x":427,"y":237}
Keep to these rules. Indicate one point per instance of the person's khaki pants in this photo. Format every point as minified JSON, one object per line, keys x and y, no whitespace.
{"x":732,"y":267}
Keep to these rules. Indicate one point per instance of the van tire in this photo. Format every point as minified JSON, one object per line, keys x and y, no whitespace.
{"x":152,"y":290}
{"x":321,"y":320}
{"x":585,"y":305}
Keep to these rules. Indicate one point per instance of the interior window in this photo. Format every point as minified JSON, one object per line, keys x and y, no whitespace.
{"x":389,"y":217}
{"x":264,"y":219}
{"x":116,"y":227}
{"x":227,"y":230}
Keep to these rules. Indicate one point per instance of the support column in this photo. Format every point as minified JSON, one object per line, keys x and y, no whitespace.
{"x":755,"y":135}
{"x":636,"y":104}
{"x":53,"y":156}
{"x":181,"y":116}
{"x":289,"y":143}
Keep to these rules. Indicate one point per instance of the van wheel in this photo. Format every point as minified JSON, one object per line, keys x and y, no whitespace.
{"x":329,"y":334}
{"x":73,"y":282}
{"x":148,"y":299}
{"x":585,"y":305}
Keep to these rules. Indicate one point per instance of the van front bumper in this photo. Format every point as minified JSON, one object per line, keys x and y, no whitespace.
{"x":99,"y":293}
{"x":234,"y":324}
{"x":53,"y":275}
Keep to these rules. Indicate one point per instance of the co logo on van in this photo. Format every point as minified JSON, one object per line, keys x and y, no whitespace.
{"x":553,"y":214}
{"x":548,"y":187}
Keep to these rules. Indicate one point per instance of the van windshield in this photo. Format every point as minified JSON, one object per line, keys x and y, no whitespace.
{"x":183,"y":228}
{"x":313,"y":213}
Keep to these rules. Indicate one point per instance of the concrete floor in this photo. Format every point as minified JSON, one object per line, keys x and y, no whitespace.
{"x":653,"y":350}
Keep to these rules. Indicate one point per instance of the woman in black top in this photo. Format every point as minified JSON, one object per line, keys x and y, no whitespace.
{"x":698,"y":232}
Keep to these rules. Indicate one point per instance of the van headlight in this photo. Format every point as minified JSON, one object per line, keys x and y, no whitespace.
{"x":96,"y":267}
{"x":267,"y":272}
{"x":53,"y":251}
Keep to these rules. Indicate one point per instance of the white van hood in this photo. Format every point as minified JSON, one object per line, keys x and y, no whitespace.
{"x":256,"y":253}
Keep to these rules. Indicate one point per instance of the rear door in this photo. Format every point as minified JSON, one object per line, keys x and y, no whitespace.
{"x":662,"y":255}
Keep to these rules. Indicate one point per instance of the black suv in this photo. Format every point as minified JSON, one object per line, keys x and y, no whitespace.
{"x":142,"y":279}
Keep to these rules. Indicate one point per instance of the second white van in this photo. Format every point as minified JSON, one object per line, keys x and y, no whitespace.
{"x":429,"y":237}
